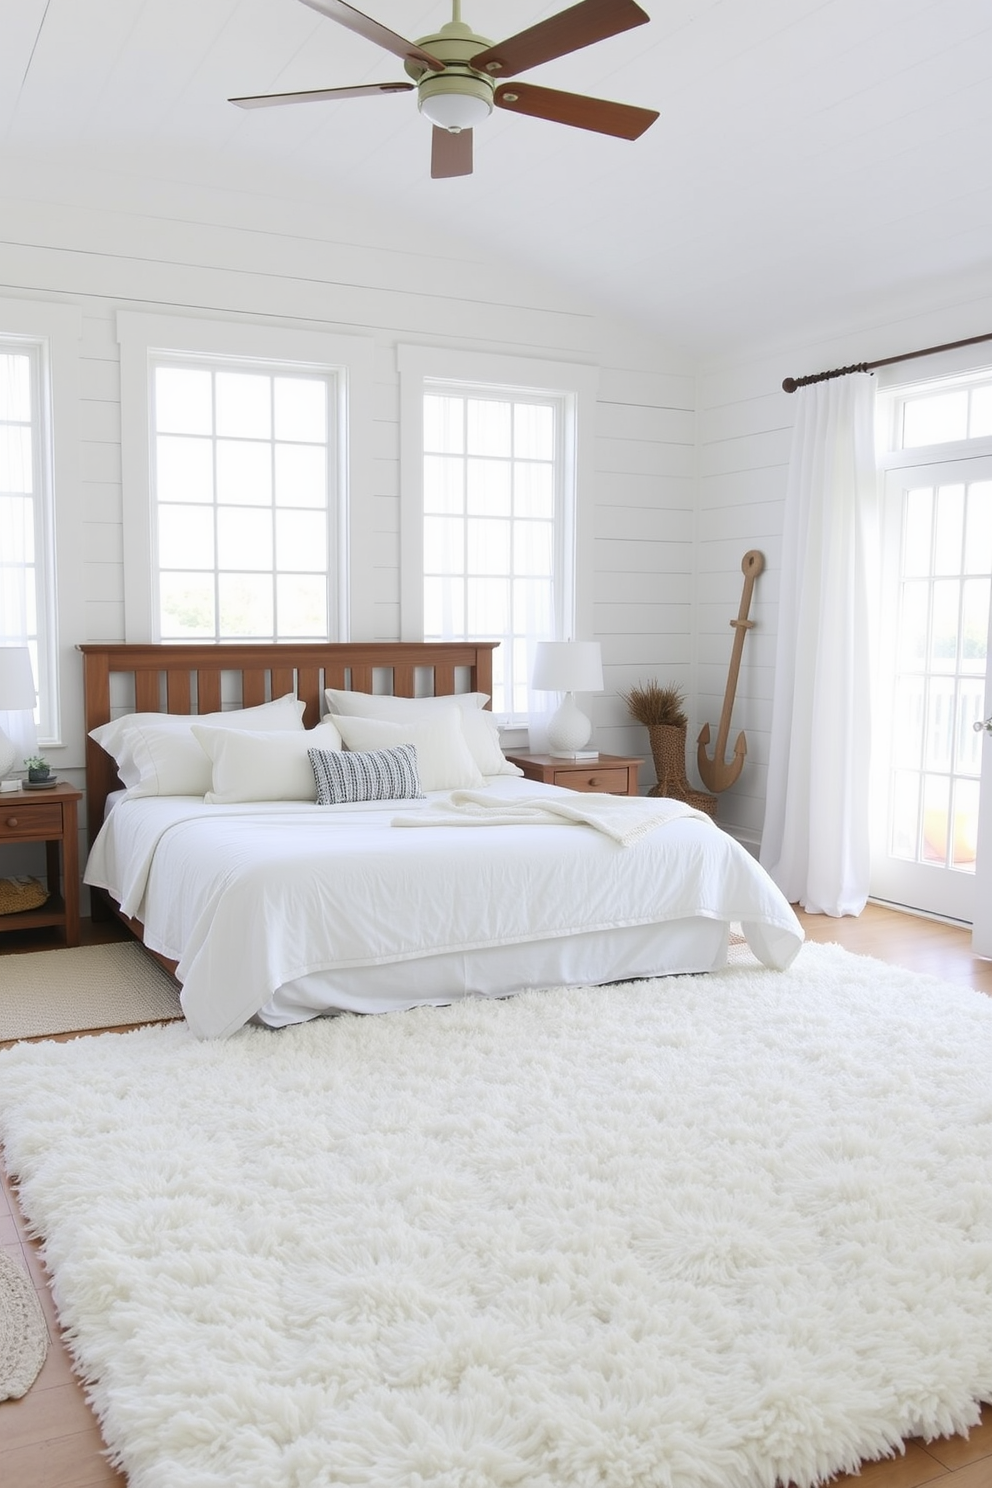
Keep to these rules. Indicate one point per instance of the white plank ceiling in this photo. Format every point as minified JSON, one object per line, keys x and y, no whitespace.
{"x":816,"y":161}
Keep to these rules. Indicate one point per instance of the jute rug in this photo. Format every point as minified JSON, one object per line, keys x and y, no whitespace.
{"x":23,"y":1330}
{"x":703,"y":1232}
{"x":103,"y":986}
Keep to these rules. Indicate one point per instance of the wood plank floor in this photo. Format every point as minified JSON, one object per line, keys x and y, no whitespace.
{"x":50,"y":1439}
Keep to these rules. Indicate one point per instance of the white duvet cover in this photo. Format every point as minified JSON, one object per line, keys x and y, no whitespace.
{"x":251,"y":897}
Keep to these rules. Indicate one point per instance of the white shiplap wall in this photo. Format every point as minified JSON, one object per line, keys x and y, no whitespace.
{"x":745,"y":431}
{"x":180,"y":252}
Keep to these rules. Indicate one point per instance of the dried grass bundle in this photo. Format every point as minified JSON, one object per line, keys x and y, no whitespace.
{"x":650,"y":703}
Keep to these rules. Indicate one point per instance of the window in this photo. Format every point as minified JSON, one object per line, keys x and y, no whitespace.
{"x":492,"y":499}
{"x":242,"y":465}
{"x":946,"y":411}
{"x":26,"y":567}
{"x":490,"y":525}
{"x":242,"y":446}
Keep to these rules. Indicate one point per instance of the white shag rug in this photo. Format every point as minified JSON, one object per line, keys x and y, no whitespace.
{"x":703,"y":1232}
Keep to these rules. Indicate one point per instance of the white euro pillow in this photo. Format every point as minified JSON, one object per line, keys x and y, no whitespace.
{"x":444,"y":761}
{"x":478,"y":724}
{"x":157,"y":755}
{"x":252,"y":765}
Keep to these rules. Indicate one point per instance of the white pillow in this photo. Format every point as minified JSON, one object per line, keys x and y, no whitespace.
{"x":478,"y":725}
{"x":251,"y":765}
{"x":157,"y":754}
{"x":444,"y":761}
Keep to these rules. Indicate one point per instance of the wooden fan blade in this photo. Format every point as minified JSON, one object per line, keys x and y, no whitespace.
{"x":347,"y":15}
{"x":568,"y":31}
{"x":620,"y":119}
{"x":451,"y":154}
{"x":318,"y":95}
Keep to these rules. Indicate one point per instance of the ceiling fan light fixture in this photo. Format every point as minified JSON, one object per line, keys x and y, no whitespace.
{"x":455,"y":102}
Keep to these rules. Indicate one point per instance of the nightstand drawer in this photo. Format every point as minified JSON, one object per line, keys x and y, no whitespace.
{"x":33,"y":822}
{"x":612,"y":782}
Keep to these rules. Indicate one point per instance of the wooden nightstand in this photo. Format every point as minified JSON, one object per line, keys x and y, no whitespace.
{"x":611,"y":774}
{"x":47,"y":816}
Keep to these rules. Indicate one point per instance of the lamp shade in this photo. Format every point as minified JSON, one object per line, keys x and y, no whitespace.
{"x":17,"y":691}
{"x":568,"y":666}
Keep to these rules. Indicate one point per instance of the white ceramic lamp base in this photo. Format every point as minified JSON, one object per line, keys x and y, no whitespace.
{"x":569,"y":729}
{"x":8,"y":753}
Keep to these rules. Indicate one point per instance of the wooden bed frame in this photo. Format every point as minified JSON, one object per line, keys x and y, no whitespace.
{"x":193,"y":678}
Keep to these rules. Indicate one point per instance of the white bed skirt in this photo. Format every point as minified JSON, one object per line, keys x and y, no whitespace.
{"x":629,"y":953}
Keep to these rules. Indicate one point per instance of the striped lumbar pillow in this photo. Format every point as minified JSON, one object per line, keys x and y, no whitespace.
{"x":375,"y":775}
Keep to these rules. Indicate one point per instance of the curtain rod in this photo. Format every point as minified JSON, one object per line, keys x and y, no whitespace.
{"x":791,"y":383}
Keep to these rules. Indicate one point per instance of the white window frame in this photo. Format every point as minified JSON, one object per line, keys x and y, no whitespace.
{"x":574,"y":387}
{"x":54,"y":332}
{"x":349,"y":358}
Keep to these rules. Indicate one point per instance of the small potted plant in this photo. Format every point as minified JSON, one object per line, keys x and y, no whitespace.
{"x":39,"y":769}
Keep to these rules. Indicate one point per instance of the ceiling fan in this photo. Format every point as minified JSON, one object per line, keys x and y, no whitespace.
{"x":457,"y":75}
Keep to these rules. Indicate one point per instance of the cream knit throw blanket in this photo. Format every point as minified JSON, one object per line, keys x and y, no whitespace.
{"x":624,"y":818}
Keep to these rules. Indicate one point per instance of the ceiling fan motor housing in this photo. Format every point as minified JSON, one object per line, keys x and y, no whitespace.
{"x":471,"y":92}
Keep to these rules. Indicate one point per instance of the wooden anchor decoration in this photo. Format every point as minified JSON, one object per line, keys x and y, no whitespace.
{"x":717,"y":774}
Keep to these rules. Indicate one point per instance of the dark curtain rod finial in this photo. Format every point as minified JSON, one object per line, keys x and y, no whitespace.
{"x":791,"y":383}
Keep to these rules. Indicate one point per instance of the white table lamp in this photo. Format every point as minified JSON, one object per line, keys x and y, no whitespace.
{"x":568,"y":667}
{"x":17,"y":695}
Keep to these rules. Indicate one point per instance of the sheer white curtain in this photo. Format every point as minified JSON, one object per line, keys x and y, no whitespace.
{"x":815,"y":842}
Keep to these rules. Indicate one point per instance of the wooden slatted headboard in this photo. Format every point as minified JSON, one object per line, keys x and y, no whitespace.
{"x":184,"y":678}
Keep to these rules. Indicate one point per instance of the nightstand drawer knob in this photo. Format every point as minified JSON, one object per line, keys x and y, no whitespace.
{"x":11,"y":821}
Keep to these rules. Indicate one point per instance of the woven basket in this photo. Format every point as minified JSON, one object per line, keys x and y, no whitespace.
{"x":668,"y":753}
{"x":19,"y":894}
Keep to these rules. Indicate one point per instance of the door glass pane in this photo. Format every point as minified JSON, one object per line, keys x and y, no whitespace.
{"x":978,"y":535}
{"x":964,"y":836}
{"x":936,"y":817}
{"x":944,"y":633}
{"x":940,"y":724}
{"x":917,"y":531}
{"x":949,"y":530}
{"x":974,"y":625}
{"x":907,"y":738}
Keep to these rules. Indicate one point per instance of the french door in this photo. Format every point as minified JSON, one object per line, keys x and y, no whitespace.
{"x":932,"y":844}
